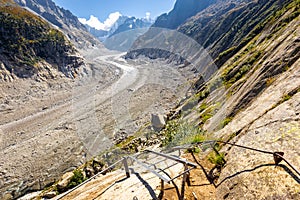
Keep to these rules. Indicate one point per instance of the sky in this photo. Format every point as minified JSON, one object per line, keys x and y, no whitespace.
{"x":101,"y":14}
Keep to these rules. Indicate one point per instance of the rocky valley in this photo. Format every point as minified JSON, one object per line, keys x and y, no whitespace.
{"x":221,"y":70}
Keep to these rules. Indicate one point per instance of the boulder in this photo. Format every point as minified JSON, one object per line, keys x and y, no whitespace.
{"x":62,"y":185}
{"x":158,"y":122}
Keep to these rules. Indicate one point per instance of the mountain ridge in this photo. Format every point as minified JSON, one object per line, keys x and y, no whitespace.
{"x":132,"y":23}
{"x":30,"y":47}
{"x":183,"y":9}
{"x":63,"y":19}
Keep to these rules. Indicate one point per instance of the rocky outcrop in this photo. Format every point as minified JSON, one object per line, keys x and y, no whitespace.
{"x":31,"y":47}
{"x":50,"y":195}
{"x":65,"y":181}
{"x":254,"y":175}
{"x":71,"y":179}
{"x":63,"y":19}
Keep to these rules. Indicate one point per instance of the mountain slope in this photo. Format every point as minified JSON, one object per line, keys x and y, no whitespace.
{"x":63,"y":19}
{"x":223,"y":25}
{"x":30,"y":46}
{"x":232,"y":26}
{"x":183,"y":9}
{"x":253,"y":100}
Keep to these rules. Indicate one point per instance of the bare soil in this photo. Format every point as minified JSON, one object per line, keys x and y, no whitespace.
{"x":200,"y":189}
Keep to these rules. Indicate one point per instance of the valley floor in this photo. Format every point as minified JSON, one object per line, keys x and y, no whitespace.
{"x":53,"y":126}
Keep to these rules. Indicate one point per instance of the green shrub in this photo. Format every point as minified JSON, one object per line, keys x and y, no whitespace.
{"x":77,"y":179}
{"x":180,"y":133}
{"x":208,"y":112}
{"x":206,"y":116}
{"x":227,"y":52}
{"x":169,"y":132}
{"x":198,"y":138}
{"x":217,"y":159}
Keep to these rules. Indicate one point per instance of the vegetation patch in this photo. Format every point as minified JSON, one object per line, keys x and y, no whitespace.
{"x":217,"y":159}
{"x":198,"y":138}
{"x":226,"y":121}
{"x":77,"y":179}
{"x":180,"y":133}
{"x":235,"y":74}
{"x":125,"y":142}
{"x":209,"y":111}
{"x":203,"y":94}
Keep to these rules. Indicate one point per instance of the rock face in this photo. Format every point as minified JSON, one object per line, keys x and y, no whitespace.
{"x":254,"y":175}
{"x":30,"y":46}
{"x":63,"y":19}
{"x":183,"y":9}
{"x":253,"y":100}
{"x":49,"y":195}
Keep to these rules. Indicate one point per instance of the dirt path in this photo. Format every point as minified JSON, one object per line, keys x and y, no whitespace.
{"x":200,"y":188}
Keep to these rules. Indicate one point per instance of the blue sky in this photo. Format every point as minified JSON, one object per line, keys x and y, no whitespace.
{"x":102,"y":9}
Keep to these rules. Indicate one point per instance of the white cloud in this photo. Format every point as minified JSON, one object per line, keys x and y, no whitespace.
{"x":148,"y":14}
{"x":106,"y":25}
